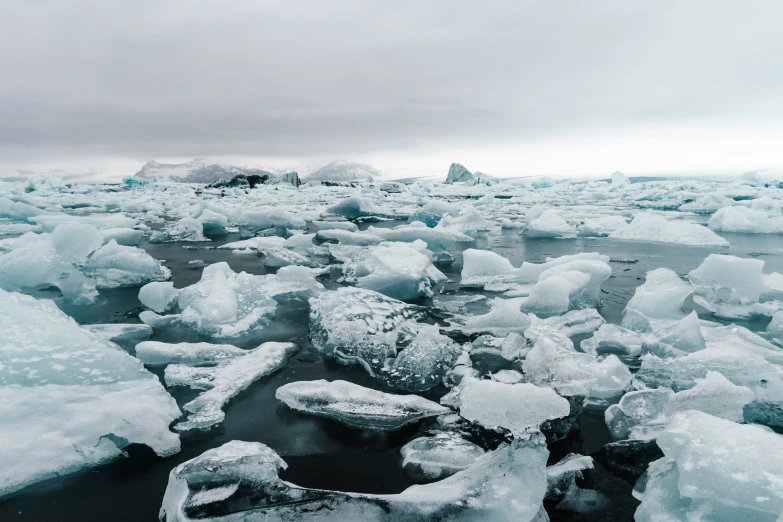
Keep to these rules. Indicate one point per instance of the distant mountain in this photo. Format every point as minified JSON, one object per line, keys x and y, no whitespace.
{"x":345,"y":170}
{"x":196,"y":171}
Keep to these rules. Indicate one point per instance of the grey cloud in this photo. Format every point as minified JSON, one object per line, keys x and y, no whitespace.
{"x":313,"y":78}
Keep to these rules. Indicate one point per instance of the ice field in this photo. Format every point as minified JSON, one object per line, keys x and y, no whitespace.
{"x":474,"y":349}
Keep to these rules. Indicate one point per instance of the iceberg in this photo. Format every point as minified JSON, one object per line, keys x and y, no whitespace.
{"x":159,"y":297}
{"x":224,"y":381}
{"x":658,"y":303}
{"x":653,"y":227}
{"x":745,"y":220}
{"x":519,"y":408}
{"x":70,"y":399}
{"x":427,"y":459}
{"x":601,"y":226}
{"x":156,"y":353}
{"x":713,"y":470}
{"x":356,"y":406}
{"x":240,"y":480}
{"x":549,"y":224}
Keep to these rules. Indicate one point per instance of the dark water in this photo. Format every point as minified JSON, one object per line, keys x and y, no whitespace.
{"x":321,"y":453}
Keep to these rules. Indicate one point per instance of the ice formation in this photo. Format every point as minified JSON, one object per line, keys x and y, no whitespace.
{"x":357,"y":406}
{"x":224,"y":381}
{"x":519,"y":408}
{"x":427,"y":459}
{"x":70,"y":399}
{"x":653,"y":227}
{"x":240,"y":480}
{"x":549,"y":224}
{"x":156,"y":353}
{"x":713,"y":470}
{"x":658,"y":302}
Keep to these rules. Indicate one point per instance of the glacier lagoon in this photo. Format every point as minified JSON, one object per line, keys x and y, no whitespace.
{"x":322,"y":454}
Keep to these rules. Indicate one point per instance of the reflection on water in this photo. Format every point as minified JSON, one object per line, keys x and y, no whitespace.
{"x":321,"y":453}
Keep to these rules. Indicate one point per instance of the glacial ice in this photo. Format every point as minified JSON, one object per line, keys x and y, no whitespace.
{"x":642,"y":414}
{"x":159,"y":296}
{"x":224,"y":381}
{"x":601,"y":226}
{"x":653,"y":227}
{"x":397,"y":270}
{"x":427,"y":459}
{"x":658,"y":302}
{"x":69,"y":399}
{"x":156,"y":353}
{"x":714,"y":470}
{"x":549,"y":224}
{"x":356,"y":406}
{"x":126,"y":335}
{"x":519,"y":408}
{"x":240,"y":480}
{"x":554,"y":362}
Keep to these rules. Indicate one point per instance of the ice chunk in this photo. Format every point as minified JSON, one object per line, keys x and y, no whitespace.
{"x":639,"y":414}
{"x":123,"y":236}
{"x":358,"y":326}
{"x":707,"y":204}
{"x":484,"y":264}
{"x":70,"y":399}
{"x":458,"y":174}
{"x":396,"y":270}
{"x":17,"y":209}
{"x":568,"y":286}
{"x":336,"y":225}
{"x":159,"y":296}
{"x":775,"y":327}
{"x":519,"y":408}
{"x":549,"y":225}
{"x":728,"y":286}
{"x":610,"y":338}
{"x":742,"y":339}
{"x":115,"y":266}
{"x":714,"y":470}
{"x":225,"y":381}
{"x":562,"y":488}
{"x":576,"y":322}
{"x":126,"y":335}
{"x":653,"y":227}
{"x":764,"y":379}
{"x":619,"y":179}
{"x":75,"y":241}
{"x":357,"y":406}
{"x":658,"y":302}
{"x":601,"y":226}
{"x":354,"y":207}
{"x":240,"y":479}
{"x":437,"y":239}
{"x":469,"y":221}
{"x":275,"y":219}
{"x":155,"y":353}
{"x":554,"y":362}
{"x":212,"y":223}
{"x":745,"y":220}
{"x":346,"y":237}
{"x":426,"y":459}
{"x":186,"y":229}
{"x":504,"y":318}
{"x":715,"y":395}
{"x":431,"y":212}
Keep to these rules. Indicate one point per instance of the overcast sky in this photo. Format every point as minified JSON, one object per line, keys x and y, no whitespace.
{"x":507,"y":87}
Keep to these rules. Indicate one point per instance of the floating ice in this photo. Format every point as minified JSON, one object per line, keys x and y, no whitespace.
{"x":115,"y":266}
{"x":576,"y":322}
{"x":653,"y":227}
{"x":549,"y":224}
{"x":427,"y":459}
{"x":519,"y":408}
{"x":504,"y":318}
{"x":554,"y":362}
{"x":224,"y":381}
{"x":397,"y":270}
{"x":357,"y":406}
{"x":731,"y":287}
{"x":186,"y":229}
{"x":159,"y":296}
{"x":240,"y":480}
{"x":126,"y":335}
{"x":658,"y":302}
{"x":601,"y":226}
{"x":123,"y":236}
{"x":70,"y":399}
{"x":714,"y":470}
{"x":745,"y":220}
{"x":155,"y":353}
